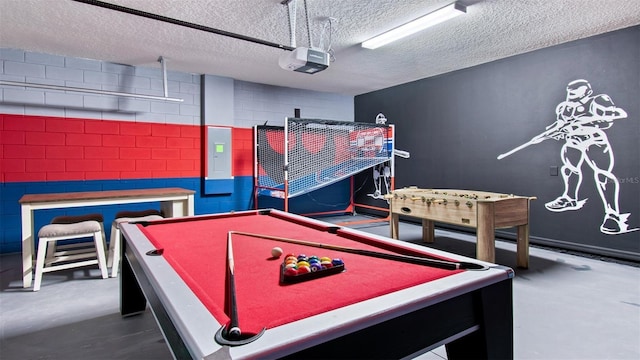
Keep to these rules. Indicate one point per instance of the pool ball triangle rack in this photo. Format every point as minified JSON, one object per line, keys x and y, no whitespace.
{"x":313,"y":271}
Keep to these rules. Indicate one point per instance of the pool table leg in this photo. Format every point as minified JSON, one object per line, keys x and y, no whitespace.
{"x":132,"y":300}
{"x":494,"y":339}
{"x":133,"y":283}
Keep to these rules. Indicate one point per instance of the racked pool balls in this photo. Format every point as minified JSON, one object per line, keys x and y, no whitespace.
{"x":298,"y":268}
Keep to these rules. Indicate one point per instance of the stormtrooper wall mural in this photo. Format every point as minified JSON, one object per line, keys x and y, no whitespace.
{"x":581,"y":123}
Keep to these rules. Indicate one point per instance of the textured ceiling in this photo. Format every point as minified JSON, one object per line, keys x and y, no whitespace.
{"x":491,"y":30}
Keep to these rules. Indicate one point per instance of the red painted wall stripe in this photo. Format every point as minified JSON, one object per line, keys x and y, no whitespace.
{"x":243,"y":148}
{"x":40,"y":148}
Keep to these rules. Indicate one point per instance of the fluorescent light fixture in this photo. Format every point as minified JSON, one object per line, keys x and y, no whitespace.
{"x":443,"y":14}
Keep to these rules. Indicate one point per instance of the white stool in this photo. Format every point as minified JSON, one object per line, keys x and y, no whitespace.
{"x":115,"y":240}
{"x":54,"y":257}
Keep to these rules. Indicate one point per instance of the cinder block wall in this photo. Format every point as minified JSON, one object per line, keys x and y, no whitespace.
{"x":22,"y":66}
{"x":256,"y":104}
{"x":57,"y":141}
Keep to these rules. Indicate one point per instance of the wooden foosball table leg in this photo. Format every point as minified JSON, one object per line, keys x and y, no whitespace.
{"x":428,"y":231}
{"x":394,"y":225}
{"x":522,"y":249}
{"x":486,"y":247}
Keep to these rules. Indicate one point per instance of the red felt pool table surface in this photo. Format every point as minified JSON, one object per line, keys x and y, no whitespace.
{"x":197,"y":249}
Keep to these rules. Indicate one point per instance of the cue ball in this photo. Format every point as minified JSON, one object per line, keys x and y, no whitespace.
{"x":276,"y":252}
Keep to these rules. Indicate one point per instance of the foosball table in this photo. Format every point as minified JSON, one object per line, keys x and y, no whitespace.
{"x":484,"y":211}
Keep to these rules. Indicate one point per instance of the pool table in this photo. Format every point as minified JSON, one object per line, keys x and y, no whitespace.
{"x":377,"y":307}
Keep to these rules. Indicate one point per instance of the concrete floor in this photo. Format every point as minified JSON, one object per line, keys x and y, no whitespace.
{"x":565,"y":307}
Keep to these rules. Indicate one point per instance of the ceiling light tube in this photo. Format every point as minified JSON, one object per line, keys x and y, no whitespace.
{"x":443,"y":14}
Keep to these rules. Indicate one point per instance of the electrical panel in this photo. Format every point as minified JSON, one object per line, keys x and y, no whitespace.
{"x":219,"y":178}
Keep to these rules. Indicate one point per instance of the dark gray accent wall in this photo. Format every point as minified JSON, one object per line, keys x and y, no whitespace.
{"x":455,"y":125}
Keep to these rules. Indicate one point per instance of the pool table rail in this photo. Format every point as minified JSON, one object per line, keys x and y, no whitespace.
{"x":469,"y":312}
